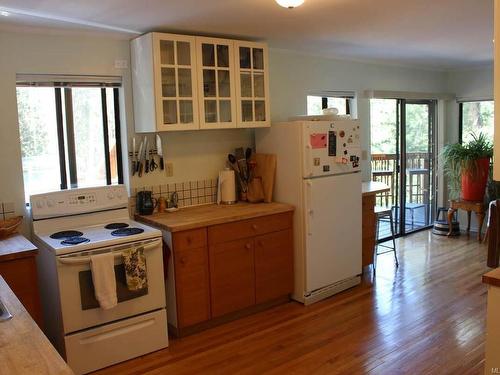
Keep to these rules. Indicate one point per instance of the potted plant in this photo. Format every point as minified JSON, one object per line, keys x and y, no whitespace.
{"x":467,"y":167}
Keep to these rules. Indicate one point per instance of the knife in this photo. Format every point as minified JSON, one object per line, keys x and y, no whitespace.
{"x":159,"y":151}
{"x":134,"y":157}
{"x":146,"y":156}
{"x":139,"y":160}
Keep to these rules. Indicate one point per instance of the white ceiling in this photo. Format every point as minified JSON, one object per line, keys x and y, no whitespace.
{"x":443,"y":34}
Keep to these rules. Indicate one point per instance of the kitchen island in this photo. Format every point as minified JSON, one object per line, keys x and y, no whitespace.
{"x":24,"y":349}
{"x":226,"y":261}
{"x":369,"y":190}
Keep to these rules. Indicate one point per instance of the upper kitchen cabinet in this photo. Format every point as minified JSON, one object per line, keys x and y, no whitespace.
{"x":216,"y":89}
{"x":252,"y":86}
{"x":164,"y":82}
{"x":185,"y":82}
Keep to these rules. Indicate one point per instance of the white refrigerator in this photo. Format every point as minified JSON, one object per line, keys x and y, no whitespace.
{"x":318,"y":171}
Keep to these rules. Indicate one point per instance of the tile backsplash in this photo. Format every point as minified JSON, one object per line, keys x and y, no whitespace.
{"x":190,"y":193}
{"x":7,"y":210}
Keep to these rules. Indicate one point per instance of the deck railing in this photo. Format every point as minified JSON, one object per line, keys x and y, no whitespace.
{"x":384,"y":169}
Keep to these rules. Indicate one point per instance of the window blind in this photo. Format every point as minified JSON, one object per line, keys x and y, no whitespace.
{"x":336,"y":94}
{"x":474,"y":99}
{"x":67,"y":80}
{"x":385,"y":94}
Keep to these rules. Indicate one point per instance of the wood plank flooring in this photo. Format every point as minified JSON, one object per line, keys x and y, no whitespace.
{"x":425,"y":317}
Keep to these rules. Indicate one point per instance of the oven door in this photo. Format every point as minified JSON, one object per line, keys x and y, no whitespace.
{"x":79,"y":307}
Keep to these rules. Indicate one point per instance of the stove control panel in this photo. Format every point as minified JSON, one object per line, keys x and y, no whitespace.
{"x":78,"y":201}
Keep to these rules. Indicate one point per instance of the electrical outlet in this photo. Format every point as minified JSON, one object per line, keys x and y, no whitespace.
{"x":169,"y":169}
{"x":364,"y":155}
{"x":121,"y":64}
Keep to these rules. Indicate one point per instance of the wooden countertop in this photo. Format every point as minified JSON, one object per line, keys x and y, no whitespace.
{"x":492,"y":277}
{"x":202,"y":216}
{"x":24,"y":349}
{"x":373,"y":187}
{"x":16,"y":246}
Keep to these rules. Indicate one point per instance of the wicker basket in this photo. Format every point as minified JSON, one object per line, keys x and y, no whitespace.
{"x":9,"y":226}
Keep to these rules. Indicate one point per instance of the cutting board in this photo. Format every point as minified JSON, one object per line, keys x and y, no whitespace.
{"x":266,"y":169}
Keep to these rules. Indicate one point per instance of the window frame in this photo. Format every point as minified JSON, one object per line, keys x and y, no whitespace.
{"x":66,"y":140}
{"x":348,"y":96}
{"x":461,"y":115}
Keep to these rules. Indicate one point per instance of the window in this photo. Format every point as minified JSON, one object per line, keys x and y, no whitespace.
{"x":316,"y":104}
{"x":474,"y":118}
{"x":70,"y":135}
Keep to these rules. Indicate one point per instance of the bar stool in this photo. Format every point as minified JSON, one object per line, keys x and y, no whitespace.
{"x":384,"y":213}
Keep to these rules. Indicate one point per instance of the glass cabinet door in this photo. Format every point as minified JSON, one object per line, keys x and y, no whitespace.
{"x":215,"y":75}
{"x":252,"y":86}
{"x":177,"y":97}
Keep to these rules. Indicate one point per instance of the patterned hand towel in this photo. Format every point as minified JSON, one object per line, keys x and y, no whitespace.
{"x":136,"y":274}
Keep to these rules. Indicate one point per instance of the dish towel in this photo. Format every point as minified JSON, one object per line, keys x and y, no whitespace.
{"x":135,"y":269}
{"x":103,"y":277}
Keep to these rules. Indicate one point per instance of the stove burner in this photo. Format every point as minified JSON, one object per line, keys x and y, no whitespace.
{"x":116,"y":225}
{"x":122,"y":232}
{"x":66,"y":234}
{"x":74,"y":241}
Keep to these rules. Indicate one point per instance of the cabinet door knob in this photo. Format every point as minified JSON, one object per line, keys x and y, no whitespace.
{"x":248,"y":246}
{"x":254,"y":226}
{"x":182,"y":260}
{"x":188,"y":239}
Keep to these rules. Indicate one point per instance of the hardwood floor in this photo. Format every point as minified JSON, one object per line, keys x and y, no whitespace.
{"x":426,"y":317}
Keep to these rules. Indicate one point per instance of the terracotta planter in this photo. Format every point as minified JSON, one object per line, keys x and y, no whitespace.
{"x":474,"y":184}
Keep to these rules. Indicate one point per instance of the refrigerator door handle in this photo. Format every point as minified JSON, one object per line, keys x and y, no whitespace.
{"x":307,"y":162}
{"x":310,"y":211}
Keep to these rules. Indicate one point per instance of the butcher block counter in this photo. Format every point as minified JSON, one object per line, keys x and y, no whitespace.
{"x":369,"y":190}
{"x":24,"y":349}
{"x":18,"y":268}
{"x":202,"y":216}
{"x":226,"y":261}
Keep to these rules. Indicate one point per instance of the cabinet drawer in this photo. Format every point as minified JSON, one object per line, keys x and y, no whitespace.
{"x":190,"y":239}
{"x":249,"y":228}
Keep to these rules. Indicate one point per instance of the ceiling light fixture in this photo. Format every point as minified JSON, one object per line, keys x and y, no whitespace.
{"x":4,"y":13}
{"x":290,"y":3}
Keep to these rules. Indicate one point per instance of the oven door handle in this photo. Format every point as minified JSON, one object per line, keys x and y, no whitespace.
{"x":86,"y":259}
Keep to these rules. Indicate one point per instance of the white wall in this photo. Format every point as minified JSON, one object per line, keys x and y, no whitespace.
{"x":31,"y":53}
{"x":194,"y":154}
{"x":293,"y":76}
{"x":468,"y":84}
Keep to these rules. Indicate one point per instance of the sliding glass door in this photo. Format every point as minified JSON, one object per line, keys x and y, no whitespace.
{"x":403,"y":157}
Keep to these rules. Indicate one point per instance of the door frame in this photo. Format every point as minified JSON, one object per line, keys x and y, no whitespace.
{"x":432,"y":141}
{"x":401,"y":164}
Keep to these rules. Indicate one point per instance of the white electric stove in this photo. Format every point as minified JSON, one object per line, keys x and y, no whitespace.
{"x":69,"y":227}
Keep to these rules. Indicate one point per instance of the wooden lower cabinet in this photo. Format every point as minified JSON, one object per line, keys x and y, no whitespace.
{"x":273,"y":265}
{"x":192,"y":284}
{"x":232,"y":276}
{"x":21,"y":275}
{"x":231,"y":268}
{"x":368,"y":223}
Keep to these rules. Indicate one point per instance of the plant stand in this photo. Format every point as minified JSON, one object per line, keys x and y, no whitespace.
{"x":469,"y":206}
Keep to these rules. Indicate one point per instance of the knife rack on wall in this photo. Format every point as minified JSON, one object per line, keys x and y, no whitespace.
{"x":146,"y":159}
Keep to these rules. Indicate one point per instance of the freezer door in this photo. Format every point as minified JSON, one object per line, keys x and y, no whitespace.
{"x":333,"y":229}
{"x":331,"y":147}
